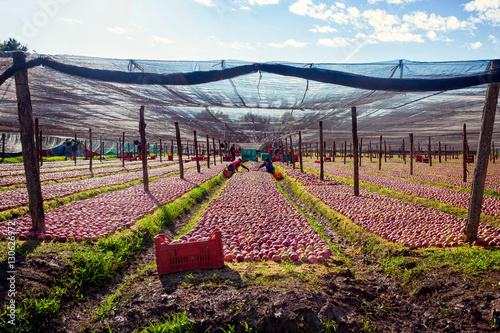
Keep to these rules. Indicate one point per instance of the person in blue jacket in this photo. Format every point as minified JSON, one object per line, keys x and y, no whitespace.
{"x":268,"y":164}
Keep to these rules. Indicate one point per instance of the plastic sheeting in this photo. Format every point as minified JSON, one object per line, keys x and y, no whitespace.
{"x":255,"y":108}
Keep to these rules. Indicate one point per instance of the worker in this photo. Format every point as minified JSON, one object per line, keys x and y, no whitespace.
{"x":268,"y":164}
{"x":233,"y":167}
{"x":233,"y":153}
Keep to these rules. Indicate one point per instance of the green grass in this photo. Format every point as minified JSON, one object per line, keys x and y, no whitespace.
{"x":178,"y":323}
{"x":93,"y":265}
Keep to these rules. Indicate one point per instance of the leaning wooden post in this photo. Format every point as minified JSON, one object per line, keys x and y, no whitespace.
{"x":380,"y":155}
{"x":75,"y":152}
{"x":90,"y":149}
{"x":291,"y":151}
{"x":355,"y":148}
{"x":196,"y":152}
{"x":300,"y":151}
{"x":208,"y":153}
{"x":179,"y":149}
{"x":430,"y":155}
{"x":439,"y":151}
{"x":411,"y":153}
{"x":465,"y":157}
{"x":142,"y":132}
{"x":483,"y":151}
{"x":25,"y":112}
{"x":215,"y":156}
{"x":321,"y":159}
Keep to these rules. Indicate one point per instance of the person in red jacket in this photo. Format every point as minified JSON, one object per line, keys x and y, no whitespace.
{"x":233,"y":167}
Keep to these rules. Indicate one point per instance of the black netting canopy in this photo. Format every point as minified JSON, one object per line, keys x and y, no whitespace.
{"x":249,"y":103}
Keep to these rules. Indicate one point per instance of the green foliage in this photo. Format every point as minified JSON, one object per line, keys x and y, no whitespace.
{"x":12,"y":45}
{"x":178,"y":323}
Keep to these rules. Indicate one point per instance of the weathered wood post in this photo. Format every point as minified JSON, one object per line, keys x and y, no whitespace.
{"x":161,"y":150}
{"x":345,"y":152}
{"x":360,"y":150}
{"x":100,"y":148}
{"x":317,"y":149}
{"x":220,"y":152}
{"x":439,"y":151}
{"x":208,"y":153}
{"x":3,"y":146}
{"x":355,"y":152}
{"x":215,"y":154}
{"x":493,"y":150}
{"x":25,"y":113}
{"x":123,"y":150}
{"x":483,"y":151}
{"x":445,"y":153}
{"x":385,"y":152}
{"x":334,"y":152}
{"x":196,"y":152}
{"x":411,"y":153}
{"x":300,"y":152}
{"x":291,"y":150}
{"x":380,"y":155}
{"x":37,"y":145}
{"x":286,"y":150}
{"x":370,"y":150}
{"x":144,"y":156}
{"x":90,"y":149}
{"x":404,"y":152}
{"x":321,"y":159}
{"x":430,"y":155}
{"x":179,"y":149}
{"x":75,"y":151}
{"x":465,"y":157}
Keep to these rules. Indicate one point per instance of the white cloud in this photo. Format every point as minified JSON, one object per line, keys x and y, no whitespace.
{"x":238,"y":45}
{"x":333,"y":42}
{"x":208,"y":3}
{"x":306,"y":7}
{"x":340,"y":5}
{"x":245,"y":8}
{"x":290,"y":42}
{"x":70,"y":20}
{"x":475,"y":45}
{"x":118,"y":30}
{"x":323,"y":29}
{"x":263,"y":2}
{"x":482,"y":5}
{"x":493,"y":39}
{"x":353,"y":11}
{"x":397,"y":36}
{"x":164,"y":40}
{"x":432,"y":35}
{"x":380,"y":20}
{"x":422,"y":20}
{"x":393,"y":2}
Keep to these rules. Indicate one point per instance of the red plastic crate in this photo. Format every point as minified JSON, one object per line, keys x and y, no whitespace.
{"x":188,"y":256}
{"x":278,"y":176}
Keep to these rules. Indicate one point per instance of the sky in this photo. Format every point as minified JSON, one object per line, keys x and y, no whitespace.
{"x":258,"y":30}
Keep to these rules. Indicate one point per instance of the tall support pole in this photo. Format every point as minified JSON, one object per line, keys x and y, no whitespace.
{"x":465,"y":157}
{"x":123,"y":150}
{"x":172,"y":148}
{"x":445,"y":153}
{"x":483,"y":151}
{"x":380,"y":155}
{"x":220,"y":152}
{"x":90,"y":149}
{"x":179,"y":149}
{"x":3,"y":146}
{"x":345,"y":152}
{"x":25,"y":113}
{"x":37,"y":145}
{"x":370,"y":150}
{"x":215,"y":156}
{"x":355,"y":152}
{"x":161,"y":150}
{"x":40,"y":140}
{"x":196,"y":152}
{"x":291,"y":150}
{"x":208,"y":153}
{"x":286,"y":150}
{"x":334,"y":152}
{"x":430,"y":155}
{"x":385,"y":152}
{"x":144,"y":156}
{"x":321,"y":159}
{"x":300,"y":151}
{"x":411,"y":154}
{"x":101,"y":150}
{"x":404,"y":152}
{"x":439,"y":151}
{"x":317,"y":149}
{"x":360,"y":149}
{"x":493,"y":151}
{"x":75,"y":151}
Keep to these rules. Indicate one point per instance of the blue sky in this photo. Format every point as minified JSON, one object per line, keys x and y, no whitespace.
{"x":258,"y":30}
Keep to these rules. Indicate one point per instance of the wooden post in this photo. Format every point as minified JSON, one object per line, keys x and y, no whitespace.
{"x":493,"y":150}
{"x":483,"y":151}
{"x":40,"y":140}
{"x":101,"y":150}
{"x":345,"y":152}
{"x":355,"y":152}
{"x":317,"y":149}
{"x":418,"y":151}
{"x":75,"y":152}
{"x":37,"y":145}
{"x":25,"y":113}
{"x":117,"y":148}
{"x":291,"y":151}
{"x":300,"y":151}
{"x":334,"y":151}
{"x":208,"y":153}
{"x":90,"y":149}
{"x":360,"y":148}
{"x":161,"y":150}
{"x":411,"y":153}
{"x":196,"y":152}
{"x":321,"y":159}
{"x":286,"y":150}
{"x":144,"y":156}
{"x":430,"y":155}
{"x":123,"y":150}
{"x":380,"y":155}
{"x":220,"y":152}
{"x":213,"y":144}
{"x":179,"y":149}
{"x":370,"y":150}
{"x":385,"y":152}
{"x":465,"y":157}
{"x":445,"y":153}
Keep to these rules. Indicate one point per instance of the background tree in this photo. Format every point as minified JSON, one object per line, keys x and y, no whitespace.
{"x":12,"y":45}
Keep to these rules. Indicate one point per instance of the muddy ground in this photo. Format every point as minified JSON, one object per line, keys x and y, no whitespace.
{"x":269,"y":297}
